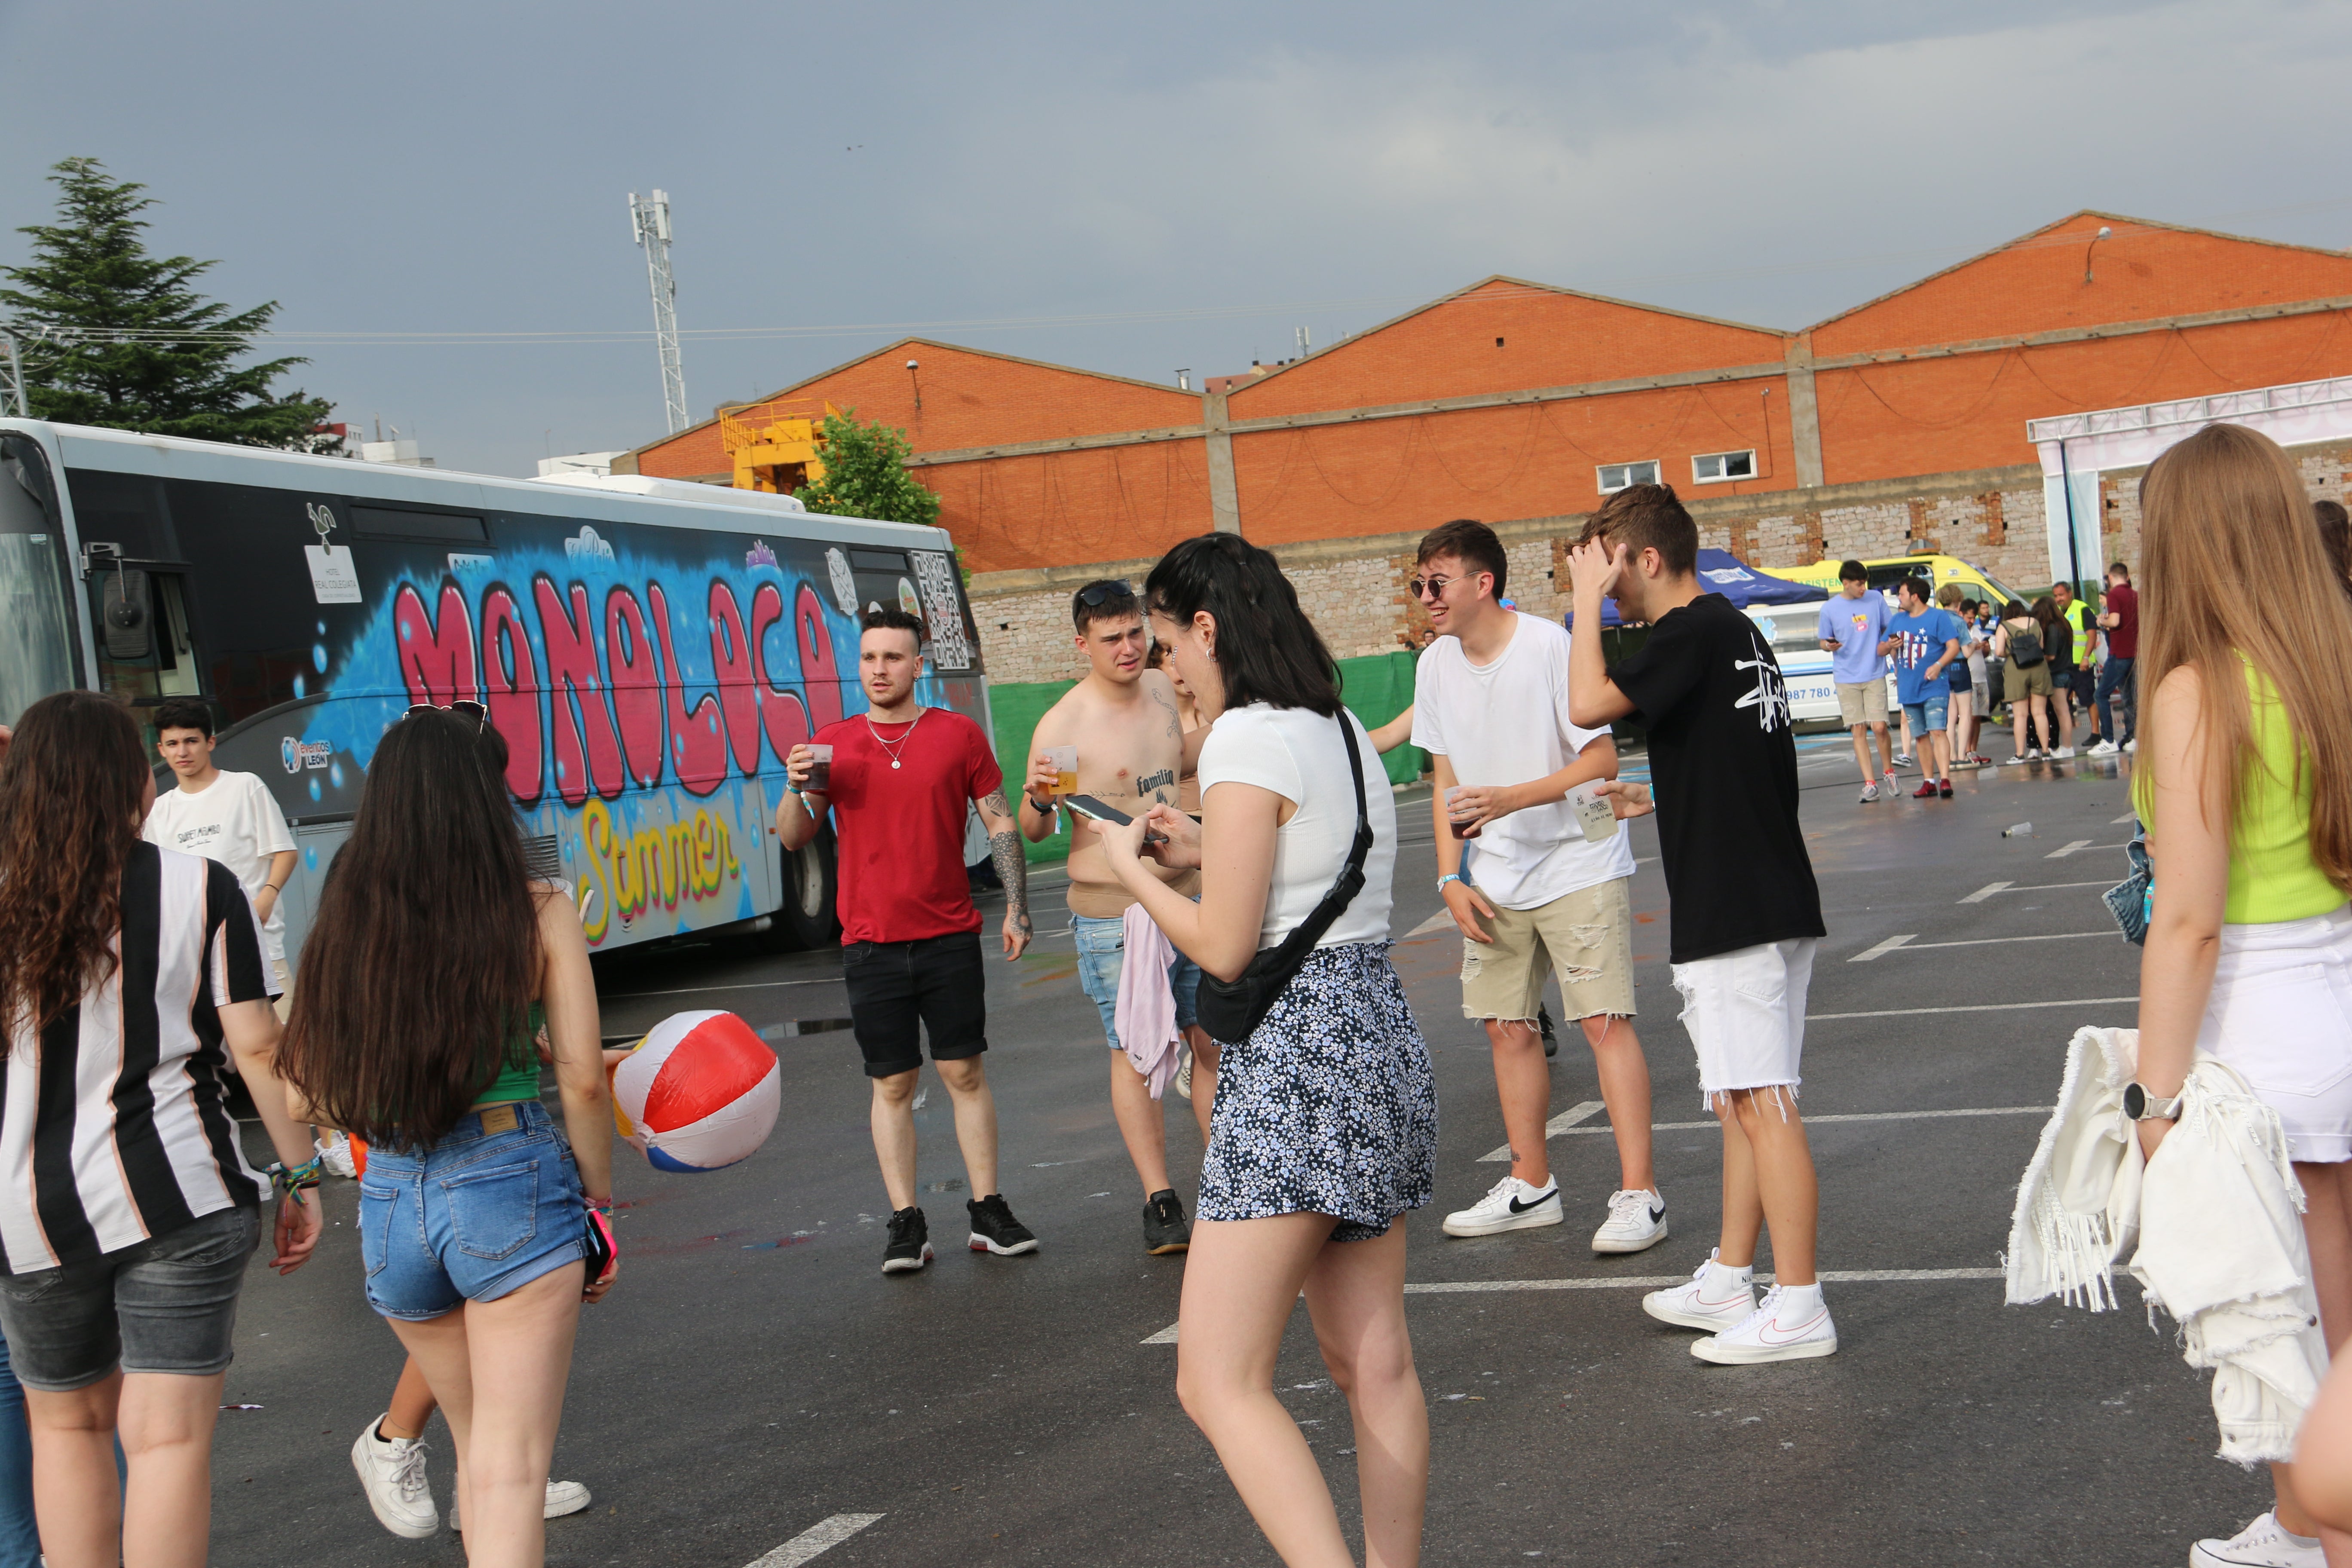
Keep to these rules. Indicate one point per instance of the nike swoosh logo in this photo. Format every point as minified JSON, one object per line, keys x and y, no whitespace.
{"x":1799,"y":1332}
{"x":1518,"y":1207}
{"x":1657,"y":1213}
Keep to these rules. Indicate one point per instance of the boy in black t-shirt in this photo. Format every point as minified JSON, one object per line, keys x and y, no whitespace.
{"x":1745,"y":912}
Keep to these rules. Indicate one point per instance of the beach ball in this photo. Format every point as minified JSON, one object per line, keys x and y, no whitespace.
{"x":698,"y":1093}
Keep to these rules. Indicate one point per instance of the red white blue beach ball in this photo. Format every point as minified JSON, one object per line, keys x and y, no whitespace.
{"x":699,"y":1093}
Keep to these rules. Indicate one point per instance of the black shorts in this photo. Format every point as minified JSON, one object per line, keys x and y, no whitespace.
{"x":899,"y":990}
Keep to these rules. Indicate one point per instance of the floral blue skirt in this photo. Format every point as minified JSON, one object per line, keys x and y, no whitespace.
{"x":1330,"y":1106}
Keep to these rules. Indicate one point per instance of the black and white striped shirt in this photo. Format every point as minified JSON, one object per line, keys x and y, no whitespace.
{"x":114,"y":1125}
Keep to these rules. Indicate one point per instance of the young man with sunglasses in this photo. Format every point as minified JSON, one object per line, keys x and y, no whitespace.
{"x":1122,"y":720}
{"x":1490,"y":706}
{"x":901,"y":782}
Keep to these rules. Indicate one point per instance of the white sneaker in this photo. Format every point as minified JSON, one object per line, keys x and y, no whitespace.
{"x":392,"y":1473}
{"x":1637,"y":1221}
{"x":1869,"y":791}
{"x":2062,"y":753}
{"x":1903,"y":759}
{"x":2132,"y":745}
{"x":1792,"y":1324}
{"x":1718,"y":1297}
{"x":1184,"y":1075}
{"x":563,"y":1498}
{"x":1888,"y":787}
{"x":2103,"y":749}
{"x":2264,"y":1543}
{"x":335,"y":1154}
{"x":1510,"y":1204}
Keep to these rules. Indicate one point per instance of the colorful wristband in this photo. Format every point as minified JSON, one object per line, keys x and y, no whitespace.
{"x":1449,"y":876}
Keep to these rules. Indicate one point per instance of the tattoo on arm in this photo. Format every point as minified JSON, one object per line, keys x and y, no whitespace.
{"x":1175,"y":724}
{"x":1012,"y":866}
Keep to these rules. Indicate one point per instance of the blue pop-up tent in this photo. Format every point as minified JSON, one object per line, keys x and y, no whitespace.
{"x":1720,"y":572}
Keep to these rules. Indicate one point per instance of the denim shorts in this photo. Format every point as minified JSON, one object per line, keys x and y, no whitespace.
{"x":1931,"y":714}
{"x":478,"y":1216}
{"x":1102,"y":953}
{"x":168,"y":1304}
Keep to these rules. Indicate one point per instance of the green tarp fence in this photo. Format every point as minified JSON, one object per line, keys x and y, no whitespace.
{"x":1376,"y":689}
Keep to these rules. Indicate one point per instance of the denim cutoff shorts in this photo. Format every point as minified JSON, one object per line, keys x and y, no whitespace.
{"x":1102,"y":953}
{"x":478,"y":1216}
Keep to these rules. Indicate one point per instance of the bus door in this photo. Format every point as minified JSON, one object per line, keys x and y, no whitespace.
{"x":40,"y":639}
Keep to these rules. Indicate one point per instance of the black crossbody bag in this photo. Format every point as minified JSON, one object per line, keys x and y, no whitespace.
{"x":1232,"y":1009}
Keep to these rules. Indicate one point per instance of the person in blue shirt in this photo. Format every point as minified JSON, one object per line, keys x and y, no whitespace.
{"x":1926,"y":642}
{"x":1853,"y":628}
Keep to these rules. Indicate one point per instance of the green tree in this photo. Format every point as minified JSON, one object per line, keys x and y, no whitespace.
{"x":113,"y":335}
{"x":866,"y":475}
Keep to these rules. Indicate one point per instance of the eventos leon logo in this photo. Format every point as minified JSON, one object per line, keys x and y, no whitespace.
{"x":299,"y":754}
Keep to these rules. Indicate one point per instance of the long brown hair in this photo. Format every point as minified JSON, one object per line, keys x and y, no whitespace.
{"x":72,"y":791}
{"x":421,"y":967}
{"x":2235,"y":568}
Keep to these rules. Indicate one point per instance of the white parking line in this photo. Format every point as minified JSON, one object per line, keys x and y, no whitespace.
{"x":1889,"y":945}
{"x":1442,"y":920}
{"x":1855,"y":1116}
{"x":1564,"y":1122}
{"x":1167,"y":1336}
{"x":1982,"y":893}
{"x":2128,"y":818}
{"x":1973,"y":1007}
{"x":1984,"y":942}
{"x":1987,"y":891}
{"x":816,"y":1539}
{"x":2078,"y":846}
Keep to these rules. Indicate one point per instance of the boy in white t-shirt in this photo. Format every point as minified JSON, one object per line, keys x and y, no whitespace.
{"x":225,"y":817}
{"x":1490,"y":706}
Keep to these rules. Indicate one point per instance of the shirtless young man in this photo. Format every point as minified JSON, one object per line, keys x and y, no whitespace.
{"x":1123,"y":720}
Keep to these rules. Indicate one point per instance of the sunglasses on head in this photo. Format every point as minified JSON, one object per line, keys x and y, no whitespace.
{"x":1102,"y":593}
{"x":462,"y":708}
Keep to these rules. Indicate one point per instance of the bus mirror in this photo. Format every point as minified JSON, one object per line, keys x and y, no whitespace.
{"x":123,"y":601}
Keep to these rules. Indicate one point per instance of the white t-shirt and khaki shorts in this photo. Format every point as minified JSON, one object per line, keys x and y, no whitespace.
{"x":1560,"y":902}
{"x":234,"y":821}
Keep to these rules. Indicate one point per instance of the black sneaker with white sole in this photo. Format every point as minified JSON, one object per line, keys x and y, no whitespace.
{"x":1166,"y":1228}
{"x":993,"y":1229}
{"x":909,"y":1246}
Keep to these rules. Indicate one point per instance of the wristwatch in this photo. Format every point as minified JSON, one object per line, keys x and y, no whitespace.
{"x":2142,"y":1106}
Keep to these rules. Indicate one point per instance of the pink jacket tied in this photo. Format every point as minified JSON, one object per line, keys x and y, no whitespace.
{"x":1146,"y":1015}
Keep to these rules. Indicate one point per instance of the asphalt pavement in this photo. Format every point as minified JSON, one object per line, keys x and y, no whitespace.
{"x":755,"y":1391}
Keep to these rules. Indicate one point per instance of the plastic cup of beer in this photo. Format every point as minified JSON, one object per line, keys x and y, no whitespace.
{"x":1453,"y":821}
{"x":1594,"y":815}
{"x":820,"y":768}
{"x":1065,"y":769}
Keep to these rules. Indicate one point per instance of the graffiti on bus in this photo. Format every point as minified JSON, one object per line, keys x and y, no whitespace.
{"x":655,"y":866}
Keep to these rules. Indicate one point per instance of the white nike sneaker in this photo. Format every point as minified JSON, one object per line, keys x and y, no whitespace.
{"x":391,"y":1472}
{"x":335,"y":1154}
{"x":563,"y":1498}
{"x":1792,"y":1324}
{"x":1511,"y":1205}
{"x":1718,"y":1297}
{"x":1637,"y":1222}
{"x":2264,"y":1543}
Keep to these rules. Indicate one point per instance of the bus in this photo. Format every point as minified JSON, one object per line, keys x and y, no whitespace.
{"x":650,"y":649}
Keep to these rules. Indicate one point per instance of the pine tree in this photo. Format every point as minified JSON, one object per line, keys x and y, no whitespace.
{"x":866,"y":475}
{"x":111,"y":335}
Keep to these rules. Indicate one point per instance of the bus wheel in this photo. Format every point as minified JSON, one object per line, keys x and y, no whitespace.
{"x":806,"y":918}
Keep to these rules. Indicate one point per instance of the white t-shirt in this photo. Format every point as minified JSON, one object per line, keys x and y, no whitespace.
{"x":234,"y":821}
{"x":1508,"y":723}
{"x":1299,"y":756}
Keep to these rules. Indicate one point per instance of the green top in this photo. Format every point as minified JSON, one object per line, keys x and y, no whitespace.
{"x":518,"y":1080}
{"x":2272,"y":876}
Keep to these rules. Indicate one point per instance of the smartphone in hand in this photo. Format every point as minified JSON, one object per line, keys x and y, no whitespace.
{"x":1087,"y":806}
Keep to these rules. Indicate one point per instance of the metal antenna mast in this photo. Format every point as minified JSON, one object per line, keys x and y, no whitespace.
{"x":12,"y":400}
{"x":649,"y":222}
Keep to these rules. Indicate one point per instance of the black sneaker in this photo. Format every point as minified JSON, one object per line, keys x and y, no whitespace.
{"x":1166,"y":1228}
{"x":1543,"y":1022}
{"x":993,"y":1229}
{"x":910,"y":1243}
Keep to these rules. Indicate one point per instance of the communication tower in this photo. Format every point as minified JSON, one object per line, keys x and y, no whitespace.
{"x":649,"y":222}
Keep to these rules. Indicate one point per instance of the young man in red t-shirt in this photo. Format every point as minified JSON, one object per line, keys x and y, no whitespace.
{"x":899,"y":779}
{"x":2121,"y":623}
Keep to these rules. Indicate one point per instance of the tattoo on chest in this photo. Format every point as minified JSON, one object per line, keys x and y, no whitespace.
{"x":1165,"y":777}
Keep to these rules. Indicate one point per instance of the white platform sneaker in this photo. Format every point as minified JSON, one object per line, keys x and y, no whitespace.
{"x":1637,"y":1222}
{"x":1716,"y":1298}
{"x":1793,"y":1323}
{"x":2264,"y":1543}
{"x":1510,"y":1204}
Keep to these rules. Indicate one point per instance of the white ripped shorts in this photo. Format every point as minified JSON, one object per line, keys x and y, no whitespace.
{"x":1746,"y":1014}
{"x":2281,"y":1014}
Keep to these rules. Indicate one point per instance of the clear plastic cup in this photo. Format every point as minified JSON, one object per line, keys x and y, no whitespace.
{"x":820,"y":768}
{"x":1065,"y":769}
{"x":1450,"y":791}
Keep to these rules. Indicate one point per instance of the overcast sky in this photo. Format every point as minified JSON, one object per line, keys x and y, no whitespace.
{"x":1124,"y":188}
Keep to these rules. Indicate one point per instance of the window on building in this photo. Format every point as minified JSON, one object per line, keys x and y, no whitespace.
{"x":1716,"y":466}
{"x":1615,"y":476}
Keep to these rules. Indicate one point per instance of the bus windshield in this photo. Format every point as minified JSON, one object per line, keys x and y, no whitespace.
{"x":37,"y":621}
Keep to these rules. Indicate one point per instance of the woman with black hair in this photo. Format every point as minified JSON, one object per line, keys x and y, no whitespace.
{"x":433,"y":964}
{"x":127,"y":973}
{"x":1324,"y":1127}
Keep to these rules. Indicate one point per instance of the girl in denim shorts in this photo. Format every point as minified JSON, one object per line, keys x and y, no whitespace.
{"x":433,"y":967}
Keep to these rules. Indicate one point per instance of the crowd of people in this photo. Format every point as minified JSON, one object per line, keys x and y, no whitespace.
{"x":1233,"y":860}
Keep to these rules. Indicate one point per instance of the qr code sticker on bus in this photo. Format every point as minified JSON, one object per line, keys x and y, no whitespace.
{"x":935,"y":578}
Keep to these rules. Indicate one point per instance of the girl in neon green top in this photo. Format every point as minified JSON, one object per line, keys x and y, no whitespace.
{"x":2245,"y":780}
